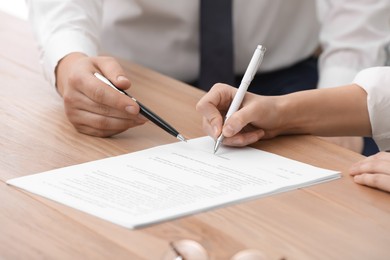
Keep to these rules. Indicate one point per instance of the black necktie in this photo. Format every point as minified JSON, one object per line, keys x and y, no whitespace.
{"x":216,"y":43}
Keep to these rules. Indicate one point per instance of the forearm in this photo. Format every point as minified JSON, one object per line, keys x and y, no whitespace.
{"x":340,"y":111}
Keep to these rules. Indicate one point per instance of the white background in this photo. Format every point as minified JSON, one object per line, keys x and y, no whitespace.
{"x":14,"y":7}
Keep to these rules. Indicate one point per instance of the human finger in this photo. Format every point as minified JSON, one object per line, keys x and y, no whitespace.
{"x":209,"y":129}
{"x":238,"y":120}
{"x":379,"y":181}
{"x":102,"y":126}
{"x":244,"y":138}
{"x":81,"y":102}
{"x":113,"y":71}
{"x":102,"y":94}
{"x":213,"y":106}
{"x":378,"y":163}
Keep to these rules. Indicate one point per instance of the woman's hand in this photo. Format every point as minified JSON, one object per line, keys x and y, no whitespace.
{"x":257,"y":118}
{"x":373,"y":171}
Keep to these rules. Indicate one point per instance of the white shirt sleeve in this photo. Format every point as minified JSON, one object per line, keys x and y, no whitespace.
{"x":376,"y":82}
{"x":64,"y":26}
{"x":353,"y":33}
{"x":353,"y":37}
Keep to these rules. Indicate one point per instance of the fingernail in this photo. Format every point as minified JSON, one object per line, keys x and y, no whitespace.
{"x":141,"y":117}
{"x":228,"y":130}
{"x":121,"y":78}
{"x":131,"y":110}
{"x":216,"y":130}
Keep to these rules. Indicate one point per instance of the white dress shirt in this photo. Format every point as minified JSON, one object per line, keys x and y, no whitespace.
{"x":163,"y":35}
{"x":376,"y":82}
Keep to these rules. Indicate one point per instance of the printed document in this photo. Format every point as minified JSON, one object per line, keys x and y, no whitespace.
{"x":171,"y":181}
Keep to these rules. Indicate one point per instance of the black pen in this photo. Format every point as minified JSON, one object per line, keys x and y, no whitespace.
{"x":145,"y":111}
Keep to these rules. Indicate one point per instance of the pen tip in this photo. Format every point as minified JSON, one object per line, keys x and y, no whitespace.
{"x":181,"y":138}
{"x":216,"y":146}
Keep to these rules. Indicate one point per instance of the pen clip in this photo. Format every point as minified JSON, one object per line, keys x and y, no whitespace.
{"x":109,"y":83}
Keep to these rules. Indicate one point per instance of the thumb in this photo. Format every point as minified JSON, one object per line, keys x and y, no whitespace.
{"x":232,"y":126}
{"x":236,"y":122}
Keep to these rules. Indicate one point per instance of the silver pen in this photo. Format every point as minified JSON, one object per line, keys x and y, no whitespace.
{"x":250,"y":72}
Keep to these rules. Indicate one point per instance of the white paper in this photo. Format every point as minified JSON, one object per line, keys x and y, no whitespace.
{"x":170,"y":181}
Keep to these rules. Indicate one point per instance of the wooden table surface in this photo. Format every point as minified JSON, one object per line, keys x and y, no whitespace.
{"x":334,"y":220}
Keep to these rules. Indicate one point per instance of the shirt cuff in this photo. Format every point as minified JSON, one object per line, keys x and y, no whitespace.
{"x":336,"y":76}
{"x":375,"y":81}
{"x":60,"y":45}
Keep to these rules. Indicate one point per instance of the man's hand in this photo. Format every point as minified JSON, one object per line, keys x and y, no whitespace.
{"x":90,"y":105}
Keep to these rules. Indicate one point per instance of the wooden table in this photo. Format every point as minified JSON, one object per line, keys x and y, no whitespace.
{"x":334,"y":220}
